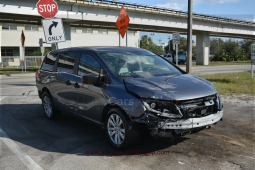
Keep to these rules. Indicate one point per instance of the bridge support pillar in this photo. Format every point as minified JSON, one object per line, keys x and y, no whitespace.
{"x":67,"y":30}
{"x":202,"y":53}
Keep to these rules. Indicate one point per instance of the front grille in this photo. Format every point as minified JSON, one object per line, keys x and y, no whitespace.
{"x":199,"y":107}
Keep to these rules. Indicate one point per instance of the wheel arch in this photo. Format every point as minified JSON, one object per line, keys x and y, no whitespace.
{"x":107,"y":108}
{"x":44,"y":90}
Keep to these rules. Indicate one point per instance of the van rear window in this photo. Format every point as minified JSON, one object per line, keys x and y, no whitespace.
{"x":49,"y":61}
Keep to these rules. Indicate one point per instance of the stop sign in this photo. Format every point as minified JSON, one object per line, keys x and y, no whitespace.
{"x":47,"y":8}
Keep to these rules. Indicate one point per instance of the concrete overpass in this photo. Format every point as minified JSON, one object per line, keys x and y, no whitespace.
{"x":104,"y":13}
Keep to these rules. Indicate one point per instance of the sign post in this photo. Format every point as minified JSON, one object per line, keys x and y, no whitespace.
{"x":41,"y":47}
{"x":122,"y":24}
{"x":22,"y":39}
{"x":252,"y":58}
{"x":119,"y":39}
{"x":127,"y":38}
{"x":176,"y":40}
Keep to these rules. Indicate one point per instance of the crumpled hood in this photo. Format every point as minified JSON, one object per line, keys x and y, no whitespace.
{"x":183,"y":87}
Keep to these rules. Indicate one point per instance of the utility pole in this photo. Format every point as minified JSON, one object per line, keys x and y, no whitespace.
{"x":159,"y":40}
{"x":189,"y":43}
{"x":153,"y":37}
{"x":169,"y":37}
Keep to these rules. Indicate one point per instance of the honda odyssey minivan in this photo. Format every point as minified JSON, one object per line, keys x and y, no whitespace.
{"x":125,"y":89}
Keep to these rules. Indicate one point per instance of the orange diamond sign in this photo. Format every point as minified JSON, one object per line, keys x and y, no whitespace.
{"x":122,"y":22}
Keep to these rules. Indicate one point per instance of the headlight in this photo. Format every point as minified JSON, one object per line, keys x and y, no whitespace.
{"x":153,"y":105}
{"x":220,"y":105}
{"x":163,"y":108}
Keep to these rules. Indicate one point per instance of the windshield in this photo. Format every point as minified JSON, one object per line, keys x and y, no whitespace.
{"x":138,"y":64}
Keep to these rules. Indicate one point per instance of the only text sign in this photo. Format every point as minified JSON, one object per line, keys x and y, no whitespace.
{"x":122,"y":22}
{"x":53,"y":31}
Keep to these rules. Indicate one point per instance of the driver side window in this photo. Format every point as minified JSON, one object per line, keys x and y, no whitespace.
{"x":88,"y":65}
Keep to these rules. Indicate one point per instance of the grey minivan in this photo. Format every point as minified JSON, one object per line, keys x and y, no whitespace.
{"x":125,"y":89}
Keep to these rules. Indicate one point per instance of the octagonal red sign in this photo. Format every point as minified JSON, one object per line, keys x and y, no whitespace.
{"x":47,"y":8}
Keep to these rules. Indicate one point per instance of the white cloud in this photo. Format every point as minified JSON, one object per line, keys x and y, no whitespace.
{"x":182,"y":4}
{"x":173,"y":5}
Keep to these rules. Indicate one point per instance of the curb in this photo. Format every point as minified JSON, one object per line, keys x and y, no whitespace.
{"x":17,"y":75}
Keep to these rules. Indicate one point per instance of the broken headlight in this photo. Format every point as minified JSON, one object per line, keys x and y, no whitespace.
{"x":163,"y":108}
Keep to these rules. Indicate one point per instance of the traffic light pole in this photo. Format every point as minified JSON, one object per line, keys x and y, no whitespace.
{"x":189,"y":43}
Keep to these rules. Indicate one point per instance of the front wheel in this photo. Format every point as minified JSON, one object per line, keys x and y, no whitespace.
{"x":120,"y":132}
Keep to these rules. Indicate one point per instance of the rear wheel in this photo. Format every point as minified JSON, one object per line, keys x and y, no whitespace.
{"x":120,"y":132}
{"x":48,"y":106}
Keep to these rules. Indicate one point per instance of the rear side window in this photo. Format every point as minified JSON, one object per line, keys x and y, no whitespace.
{"x":66,"y":62}
{"x":49,"y":61}
{"x":88,"y":64}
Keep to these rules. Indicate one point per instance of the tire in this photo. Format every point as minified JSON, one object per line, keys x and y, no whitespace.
{"x":123,"y":135}
{"x":48,"y":106}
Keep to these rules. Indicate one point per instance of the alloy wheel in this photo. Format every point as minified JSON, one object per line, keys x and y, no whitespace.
{"x":116,"y":129}
{"x":47,"y":106}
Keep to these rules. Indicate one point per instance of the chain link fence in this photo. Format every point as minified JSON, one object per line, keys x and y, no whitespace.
{"x":19,"y":62}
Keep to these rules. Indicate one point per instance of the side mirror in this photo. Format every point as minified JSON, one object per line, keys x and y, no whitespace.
{"x":90,"y":79}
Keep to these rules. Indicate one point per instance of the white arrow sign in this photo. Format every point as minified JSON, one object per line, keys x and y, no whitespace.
{"x":53,"y":31}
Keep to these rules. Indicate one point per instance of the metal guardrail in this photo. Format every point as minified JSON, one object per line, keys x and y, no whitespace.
{"x":161,"y":9}
{"x":18,"y":62}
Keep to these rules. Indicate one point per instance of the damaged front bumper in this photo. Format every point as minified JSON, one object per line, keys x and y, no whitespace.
{"x":179,"y":127}
{"x":169,"y":119}
{"x":192,"y":123}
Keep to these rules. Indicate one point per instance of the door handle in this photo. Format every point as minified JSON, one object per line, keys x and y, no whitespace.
{"x":76,"y":85}
{"x":68,"y":83}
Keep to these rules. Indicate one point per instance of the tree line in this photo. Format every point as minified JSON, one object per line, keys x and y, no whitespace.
{"x":228,"y":50}
{"x":147,"y":43}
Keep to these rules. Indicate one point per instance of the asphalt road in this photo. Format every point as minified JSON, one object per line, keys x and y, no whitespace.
{"x":219,"y":69}
{"x":28,"y":140}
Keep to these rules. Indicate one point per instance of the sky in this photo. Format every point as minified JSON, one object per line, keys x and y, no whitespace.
{"x":238,"y":9}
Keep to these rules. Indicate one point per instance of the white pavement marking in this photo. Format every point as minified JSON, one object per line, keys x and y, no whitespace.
{"x":243,"y":156}
{"x":23,"y":157}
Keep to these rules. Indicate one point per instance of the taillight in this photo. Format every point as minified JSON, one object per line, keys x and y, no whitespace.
{"x":36,"y":75}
